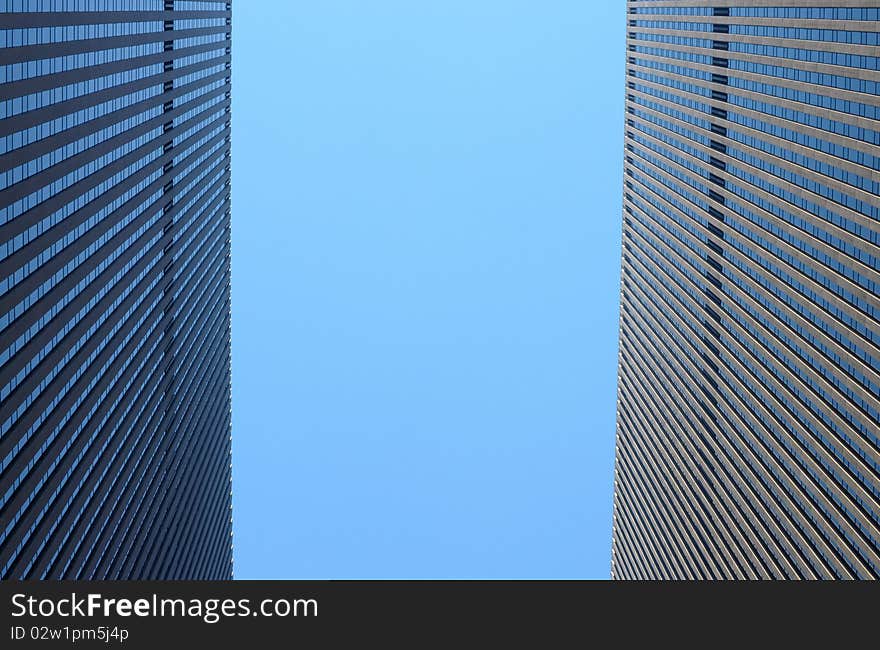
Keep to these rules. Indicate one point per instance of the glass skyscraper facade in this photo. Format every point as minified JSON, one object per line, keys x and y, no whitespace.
{"x":114,"y":289}
{"x":748,"y":438}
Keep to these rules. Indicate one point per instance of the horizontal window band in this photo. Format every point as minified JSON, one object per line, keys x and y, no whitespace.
{"x":780,"y":182}
{"x":835,"y":47}
{"x":72,"y":163}
{"x":732,"y":460}
{"x":736,"y":309}
{"x":827,"y":339}
{"x":660,"y":462}
{"x":34,"y":378}
{"x":185,"y":397}
{"x":849,"y":452}
{"x":681,"y":457}
{"x":775,"y":499}
{"x":42,"y":210}
{"x":827,"y":136}
{"x":38,"y":116}
{"x":839,"y":304}
{"x":122,"y":548}
{"x":796,"y":65}
{"x":45,"y":334}
{"x":15,"y":89}
{"x":22,"y":455}
{"x":203,"y":439}
{"x":840,"y":94}
{"x":45,"y":492}
{"x":37,"y":19}
{"x":827,"y":180}
{"x":46,"y":51}
{"x":147,"y":354}
{"x":715,"y":196}
{"x":192,"y":388}
{"x":119,"y":470}
{"x":36,"y":149}
{"x":83,"y":214}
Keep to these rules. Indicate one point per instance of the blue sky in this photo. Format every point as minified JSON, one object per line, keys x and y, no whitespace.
{"x":426,"y":231}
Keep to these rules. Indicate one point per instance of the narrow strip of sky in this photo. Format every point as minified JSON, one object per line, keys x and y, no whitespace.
{"x":425,"y":284}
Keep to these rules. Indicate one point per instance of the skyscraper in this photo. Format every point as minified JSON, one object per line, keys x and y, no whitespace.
{"x":748,"y":439}
{"x":114,"y":289}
